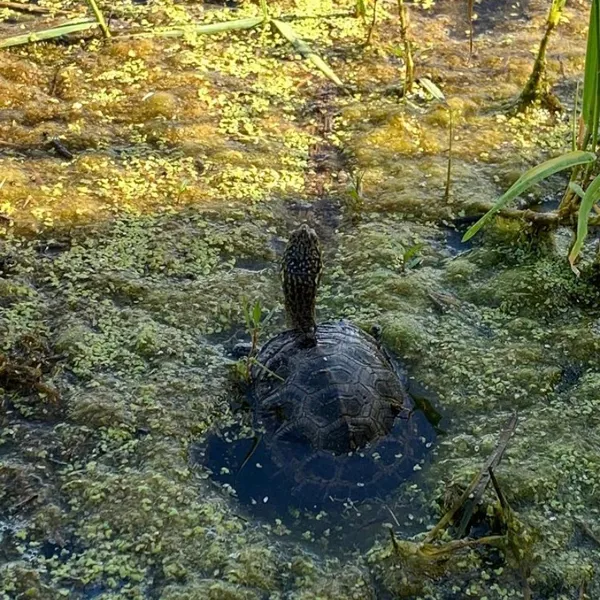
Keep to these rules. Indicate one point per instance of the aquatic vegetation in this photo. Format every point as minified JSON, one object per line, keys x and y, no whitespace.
{"x":55,"y":32}
{"x":530,"y":178}
{"x":193,"y":158}
{"x":354,"y":199}
{"x":254,"y":324}
{"x":590,"y":119}
{"x":100,"y":18}
{"x":240,"y":24}
{"x":537,"y":89}
{"x":408,"y":52}
{"x":588,"y":200}
{"x":407,"y":561}
{"x":591,"y":83}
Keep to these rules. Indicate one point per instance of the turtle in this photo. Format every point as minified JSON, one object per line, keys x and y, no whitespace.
{"x":329,"y":400}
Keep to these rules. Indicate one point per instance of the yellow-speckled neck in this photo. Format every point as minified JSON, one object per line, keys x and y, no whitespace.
{"x":301,"y":272}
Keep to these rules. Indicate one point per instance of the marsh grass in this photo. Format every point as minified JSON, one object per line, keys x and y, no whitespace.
{"x":287,"y":31}
{"x":255,"y":319}
{"x":449,"y":166}
{"x":438,"y":95}
{"x":527,"y":180}
{"x":100,"y":18}
{"x":283,"y":28}
{"x":588,"y":200}
{"x":429,"y":557}
{"x":574,"y":120}
{"x":61,"y":30}
{"x":537,"y":89}
{"x":355,"y":200}
{"x":591,"y":84}
{"x":579,"y":197}
{"x":252,"y":317}
{"x":587,"y":137}
{"x":48,"y":34}
{"x":474,"y":492}
{"x":409,"y":61}
{"x":372,"y":24}
{"x":411,"y":257}
{"x":470,"y":19}
{"x":518,"y":542}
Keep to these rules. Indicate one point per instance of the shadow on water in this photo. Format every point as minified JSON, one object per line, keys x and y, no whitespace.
{"x":490,"y":16}
{"x":547,"y":204}
{"x":453,"y":237}
{"x":340,"y":501}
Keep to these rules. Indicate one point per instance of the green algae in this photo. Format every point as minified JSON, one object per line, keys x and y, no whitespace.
{"x":188,"y":154}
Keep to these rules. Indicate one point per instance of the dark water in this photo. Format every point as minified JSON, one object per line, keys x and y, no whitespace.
{"x":338,"y":498}
{"x":490,"y":16}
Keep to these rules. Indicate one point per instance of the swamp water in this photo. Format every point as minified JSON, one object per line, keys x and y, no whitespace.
{"x":123,"y":270}
{"x":336,"y":498}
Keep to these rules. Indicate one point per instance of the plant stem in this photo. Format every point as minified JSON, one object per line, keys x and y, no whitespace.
{"x":536,"y":88}
{"x":372,"y":26}
{"x":596,"y":112}
{"x":264,"y":8}
{"x":100,"y":18}
{"x":574,"y":121}
{"x":449,"y":171}
{"x":409,"y":76}
{"x":470,"y":17}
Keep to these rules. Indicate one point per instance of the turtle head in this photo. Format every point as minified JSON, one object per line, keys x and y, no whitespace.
{"x":301,"y":271}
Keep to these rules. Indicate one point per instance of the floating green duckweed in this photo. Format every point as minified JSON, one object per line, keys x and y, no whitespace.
{"x":125,"y":269}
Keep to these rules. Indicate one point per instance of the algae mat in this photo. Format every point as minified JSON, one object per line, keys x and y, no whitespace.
{"x":123,"y":272}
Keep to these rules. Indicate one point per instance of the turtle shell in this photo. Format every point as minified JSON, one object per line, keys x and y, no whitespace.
{"x":335,"y":415}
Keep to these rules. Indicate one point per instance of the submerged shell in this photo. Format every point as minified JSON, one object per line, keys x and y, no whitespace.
{"x":335,"y":415}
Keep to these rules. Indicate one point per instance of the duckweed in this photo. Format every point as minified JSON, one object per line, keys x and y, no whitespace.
{"x":193,"y":158}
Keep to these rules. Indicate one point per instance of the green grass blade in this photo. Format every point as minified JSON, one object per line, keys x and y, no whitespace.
{"x":595,"y":27}
{"x":246,"y":312}
{"x":574,"y":120}
{"x":575,"y":187}
{"x":531,"y":177}
{"x":433,"y":89}
{"x":592,"y":63}
{"x":99,"y":17}
{"x":222,"y":27}
{"x":47,"y":34}
{"x":361,"y":9}
{"x":591,"y":196}
{"x":256,"y":313}
{"x":305,"y":50}
{"x":228,"y":26}
{"x":264,"y":8}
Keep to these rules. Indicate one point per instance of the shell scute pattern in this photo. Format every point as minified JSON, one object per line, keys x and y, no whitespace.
{"x":332,"y":413}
